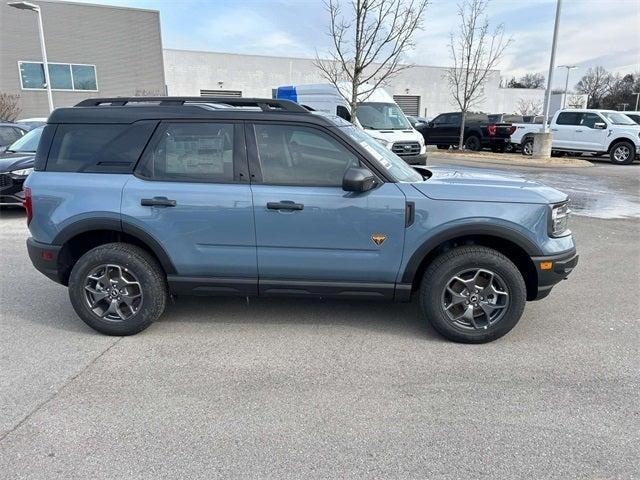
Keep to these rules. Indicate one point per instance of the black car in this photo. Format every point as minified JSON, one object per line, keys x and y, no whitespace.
{"x":479,"y":131}
{"x":16,"y":162}
{"x":10,"y":132}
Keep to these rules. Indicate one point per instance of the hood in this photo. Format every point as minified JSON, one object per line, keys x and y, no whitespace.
{"x":408,"y":135}
{"x":470,"y":184}
{"x":13,"y":161}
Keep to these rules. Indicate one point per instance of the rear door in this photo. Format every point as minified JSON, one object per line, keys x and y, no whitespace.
{"x":312,"y":236}
{"x":564,"y":129}
{"x":191,"y":194}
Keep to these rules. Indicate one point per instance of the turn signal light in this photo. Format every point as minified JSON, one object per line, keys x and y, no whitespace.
{"x":546,"y":265}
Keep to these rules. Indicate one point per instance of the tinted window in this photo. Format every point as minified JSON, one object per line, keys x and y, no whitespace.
{"x":634,"y":117}
{"x":590,"y":119}
{"x":84,"y":77}
{"x":98,"y":148}
{"x":569,"y":118}
{"x":32,"y":75}
{"x":191,"y":152}
{"x":9,"y":135}
{"x":27,"y":143}
{"x":296,"y":155}
{"x":342,"y":112}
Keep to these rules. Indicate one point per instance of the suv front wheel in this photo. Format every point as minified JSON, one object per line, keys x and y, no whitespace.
{"x":118,"y":289}
{"x":472,"y":294}
{"x":622,"y":153}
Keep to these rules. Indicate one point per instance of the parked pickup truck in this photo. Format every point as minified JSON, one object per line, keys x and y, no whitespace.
{"x":479,"y":132}
{"x":598,"y":132}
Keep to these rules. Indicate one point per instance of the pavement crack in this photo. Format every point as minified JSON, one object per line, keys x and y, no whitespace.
{"x":40,"y":405}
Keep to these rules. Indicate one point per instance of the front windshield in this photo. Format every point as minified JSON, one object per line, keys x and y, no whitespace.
{"x":27,"y":143}
{"x":381,"y":116}
{"x":388,"y":161}
{"x":618,"y":118}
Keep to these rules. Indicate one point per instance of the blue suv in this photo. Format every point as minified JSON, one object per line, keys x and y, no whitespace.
{"x":136,"y":199}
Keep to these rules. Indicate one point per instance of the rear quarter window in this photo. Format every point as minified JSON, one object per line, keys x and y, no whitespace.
{"x":95,"y":148}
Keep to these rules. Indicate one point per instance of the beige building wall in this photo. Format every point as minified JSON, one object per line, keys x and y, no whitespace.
{"x":123,"y":43}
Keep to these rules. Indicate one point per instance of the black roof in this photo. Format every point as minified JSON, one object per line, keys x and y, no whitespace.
{"x":132,"y":109}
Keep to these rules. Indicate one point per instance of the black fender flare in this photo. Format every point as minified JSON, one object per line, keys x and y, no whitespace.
{"x":116,"y":224}
{"x":463,"y":230}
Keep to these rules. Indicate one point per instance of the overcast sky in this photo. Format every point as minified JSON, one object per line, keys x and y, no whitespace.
{"x":592,"y":32}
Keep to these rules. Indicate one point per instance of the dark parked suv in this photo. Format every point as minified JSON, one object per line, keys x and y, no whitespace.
{"x":133,"y":200}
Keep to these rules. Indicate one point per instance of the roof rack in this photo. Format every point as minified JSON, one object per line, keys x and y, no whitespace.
{"x":265,"y":104}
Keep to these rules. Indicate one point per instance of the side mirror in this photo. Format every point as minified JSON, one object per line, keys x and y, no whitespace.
{"x":358,"y":179}
{"x":600,"y":125}
{"x":431,"y":124}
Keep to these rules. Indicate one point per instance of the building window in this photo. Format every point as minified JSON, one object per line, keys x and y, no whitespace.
{"x":63,"y":76}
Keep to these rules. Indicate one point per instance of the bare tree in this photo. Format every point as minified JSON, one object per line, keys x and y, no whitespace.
{"x":9,"y":109}
{"x":528,"y":107}
{"x":530,"y":80}
{"x":595,"y":85}
{"x":368,"y":43}
{"x":475,"y":51}
{"x":576,"y":101}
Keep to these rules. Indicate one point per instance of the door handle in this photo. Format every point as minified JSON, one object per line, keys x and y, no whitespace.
{"x":285,"y":205}
{"x":554,"y":129}
{"x":157,"y":202}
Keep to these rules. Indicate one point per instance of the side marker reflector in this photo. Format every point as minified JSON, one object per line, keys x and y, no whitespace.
{"x":546,"y":265}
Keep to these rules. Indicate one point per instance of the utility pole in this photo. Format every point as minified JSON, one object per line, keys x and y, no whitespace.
{"x":637,"y":94}
{"x":566,"y":83}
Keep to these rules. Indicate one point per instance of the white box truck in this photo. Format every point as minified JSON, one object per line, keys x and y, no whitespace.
{"x":379,"y":116}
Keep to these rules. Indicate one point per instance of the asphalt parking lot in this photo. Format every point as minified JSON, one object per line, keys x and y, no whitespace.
{"x":284,"y":388}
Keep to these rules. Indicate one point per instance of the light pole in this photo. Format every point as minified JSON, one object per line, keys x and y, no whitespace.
{"x":637,"y":94}
{"x":552,"y":61}
{"x":36,"y":8}
{"x":566,"y":84}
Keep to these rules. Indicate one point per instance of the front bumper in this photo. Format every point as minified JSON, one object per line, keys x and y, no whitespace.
{"x":45,"y":258}
{"x":11,"y":189}
{"x":415,"y":159}
{"x":552,"y":269}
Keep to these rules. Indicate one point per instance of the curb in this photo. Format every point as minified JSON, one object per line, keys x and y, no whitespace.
{"x":518,"y":160}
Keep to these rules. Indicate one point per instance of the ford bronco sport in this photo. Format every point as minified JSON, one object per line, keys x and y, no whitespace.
{"x":136,"y":199}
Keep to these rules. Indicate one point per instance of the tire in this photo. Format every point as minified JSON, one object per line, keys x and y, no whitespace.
{"x":527,"y":147}
{"x":472,"y":143}
{"x":622,"y":153}
{"x":140,"y":298}
{"x":443,"y":147}
{"x":463,"y":262}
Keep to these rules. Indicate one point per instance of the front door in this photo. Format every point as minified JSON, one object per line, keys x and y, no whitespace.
{"x":587,"y":136}
{"x":190,"y":194}
{"x":312,"y":236}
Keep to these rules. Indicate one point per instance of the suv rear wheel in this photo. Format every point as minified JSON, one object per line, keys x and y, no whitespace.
{"x":622,"y":153}
{"x":472,"y":294}
{"x":118,"y":289}
{"x":472,"y":143}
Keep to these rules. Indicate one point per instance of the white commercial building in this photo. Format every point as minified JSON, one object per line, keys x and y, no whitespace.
{"x":419,"y":90}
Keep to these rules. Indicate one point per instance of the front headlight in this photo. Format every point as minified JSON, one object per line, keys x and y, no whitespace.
{"x":23,"y":172}
{"x":559,"y":219}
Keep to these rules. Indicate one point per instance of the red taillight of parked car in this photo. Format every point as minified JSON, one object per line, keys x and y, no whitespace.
{"x":27,"y":204}
{"x":512,"y":129}
{"x":492,"y":130}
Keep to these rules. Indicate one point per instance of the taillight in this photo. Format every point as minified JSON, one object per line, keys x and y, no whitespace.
{"x":512,"y":129}
{"x":492,"y":130}
{"x":27,"y":204}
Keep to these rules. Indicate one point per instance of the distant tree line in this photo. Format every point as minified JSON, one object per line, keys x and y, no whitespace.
{"x":609,"y":90}
{"x":530,"y":80}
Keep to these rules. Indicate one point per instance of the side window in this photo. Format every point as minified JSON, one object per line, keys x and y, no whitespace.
{"x":439,"y":120}
{"x":343,"y":112}
{"x":569,"y":118}
{"x":77,"y":147}
{"x":111,"y":148}
{"x":453,"y":118}
{"x":190,"y":152}
{"x":590,"y":119}
{"x":8,"y":135}
{"x":297,"y":155}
